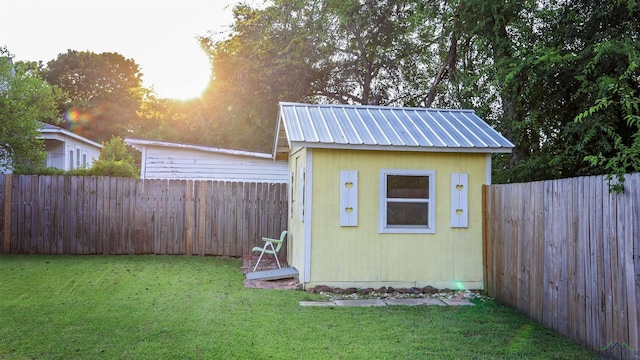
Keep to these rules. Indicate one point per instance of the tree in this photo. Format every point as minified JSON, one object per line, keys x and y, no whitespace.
{"x":25,"y":100}
{"x":104,"y":92}
{"x":540,"y":60}
{"x":305,"y":50}
{"x":115,"y":160}
{"x":265,"y":61}
{"x":164,"y":119}
{"x":369,"y":52}
{"x":611,"y":76}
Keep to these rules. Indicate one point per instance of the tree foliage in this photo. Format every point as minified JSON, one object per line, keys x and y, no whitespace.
{"x":115,"y":160}
{"x":613,"y":76}
{"x":368,"y":52}
{"x":305,"y":50}
{"x":544,"y":64}
{"x":103,"y":92}
{"x":25,"y":100}
{"x":265,"y":61}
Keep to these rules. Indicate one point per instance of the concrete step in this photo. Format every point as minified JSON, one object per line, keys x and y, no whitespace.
{"x":274,"y":274}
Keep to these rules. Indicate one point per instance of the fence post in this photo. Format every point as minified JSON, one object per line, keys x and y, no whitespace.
{"x":485,"y":238}
{"x":7,"y":214}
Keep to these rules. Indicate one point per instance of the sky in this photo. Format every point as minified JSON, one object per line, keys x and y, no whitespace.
{"x":159,"y":35}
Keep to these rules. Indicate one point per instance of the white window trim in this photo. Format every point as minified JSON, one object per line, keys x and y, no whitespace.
{"x":407,"y":229}
{"x":71,"y":159}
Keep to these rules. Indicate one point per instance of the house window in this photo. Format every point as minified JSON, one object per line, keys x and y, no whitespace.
{"x":71,"y":160}
{"x":407,"y":201}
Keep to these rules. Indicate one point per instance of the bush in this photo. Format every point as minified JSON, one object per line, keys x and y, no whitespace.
{"x":116,"y":168}
{"x":115,"y":160}
{"x":40,"y":170}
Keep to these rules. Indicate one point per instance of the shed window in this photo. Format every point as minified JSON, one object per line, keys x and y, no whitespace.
{"x":407,"y":201}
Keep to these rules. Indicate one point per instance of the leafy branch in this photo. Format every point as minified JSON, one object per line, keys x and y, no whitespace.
{"x":619,"y":96}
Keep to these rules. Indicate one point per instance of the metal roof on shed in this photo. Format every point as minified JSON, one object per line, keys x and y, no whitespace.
{"x":368,"y":127}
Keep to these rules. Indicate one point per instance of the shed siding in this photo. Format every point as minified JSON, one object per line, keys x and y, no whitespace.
{"x":360,"y":256}
{"x":175,"y":163}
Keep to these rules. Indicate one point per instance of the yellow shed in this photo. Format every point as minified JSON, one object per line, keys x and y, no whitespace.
{"x":386,"y":196}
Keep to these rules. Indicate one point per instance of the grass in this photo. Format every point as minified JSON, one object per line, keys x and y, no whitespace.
{"x":176,"y":307}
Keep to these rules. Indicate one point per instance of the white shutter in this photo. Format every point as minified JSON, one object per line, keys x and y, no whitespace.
{"x":459,"y":200}
{"x":348,"y":197}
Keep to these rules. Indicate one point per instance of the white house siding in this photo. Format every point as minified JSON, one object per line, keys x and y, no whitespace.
{"x":55,"y":154}
{"x":83,"y":155}
{"x":161,"y":162}
{"x":66,"y":150}
{"x":67,"y":153}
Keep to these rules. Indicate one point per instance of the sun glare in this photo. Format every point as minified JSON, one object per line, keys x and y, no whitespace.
{"x":182,"y":77}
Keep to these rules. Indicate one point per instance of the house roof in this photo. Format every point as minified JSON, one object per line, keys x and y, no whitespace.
{"x":139,"y":143}
{"x":46,"y":129}
{"x":368,"y":127}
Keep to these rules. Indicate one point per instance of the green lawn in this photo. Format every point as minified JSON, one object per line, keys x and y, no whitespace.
{"x":176,"y":307}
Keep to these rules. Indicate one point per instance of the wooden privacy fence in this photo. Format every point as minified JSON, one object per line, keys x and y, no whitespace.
{"x":567,"y":254}
{"x":104,"y":215}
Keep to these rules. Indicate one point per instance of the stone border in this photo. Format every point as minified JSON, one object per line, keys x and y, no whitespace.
{"x":447,"y":296}
{"x":388,"y":302}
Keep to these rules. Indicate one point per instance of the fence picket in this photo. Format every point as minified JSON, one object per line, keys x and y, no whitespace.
{"x":596,"y":241}
{"x":581,"y":270}
{"x":563,"y":244}
{"x":537,"y":273}
{"x":99,"y":215}
{"x":202,"y":220}
{"x":632,"y":247}
{"x":5,"y":220}
{"x":606,"y":290}
{"x":621,"y":321}
{"x":17,"y":232}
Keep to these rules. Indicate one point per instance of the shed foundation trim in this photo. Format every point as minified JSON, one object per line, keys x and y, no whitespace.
{"x":452,"y":285}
